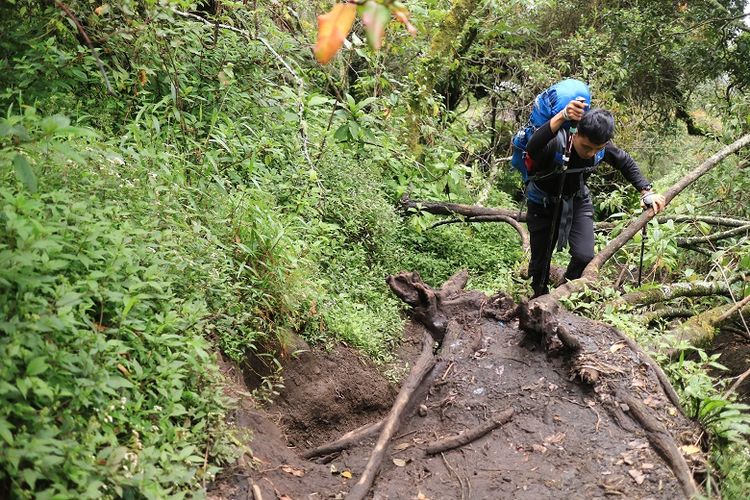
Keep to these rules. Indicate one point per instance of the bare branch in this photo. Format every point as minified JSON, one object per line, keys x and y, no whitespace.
{"x":690,"y":241}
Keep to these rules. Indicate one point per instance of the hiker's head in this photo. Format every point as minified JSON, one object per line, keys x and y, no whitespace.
{"x":595,"y":129}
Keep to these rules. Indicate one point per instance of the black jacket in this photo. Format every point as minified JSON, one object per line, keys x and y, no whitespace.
{"x":544,"y":145}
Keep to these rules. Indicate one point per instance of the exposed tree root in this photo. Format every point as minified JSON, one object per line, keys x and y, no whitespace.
{"x":469,"y":435}
{"x":347,"y":440}
{"x":424,"y":364}
{"x":662,"y":441}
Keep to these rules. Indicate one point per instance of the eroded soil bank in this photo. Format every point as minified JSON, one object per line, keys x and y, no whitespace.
{"x":565,"y":438}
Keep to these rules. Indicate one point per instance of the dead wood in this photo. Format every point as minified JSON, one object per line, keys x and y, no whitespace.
{"x":421,"y":368}
{"x":522,"y":232}
{"x":661,"y":440}
{"x":730,"y":233}
{"x":672,"y":291}
{"x":667,"y":313}
{"x":470,"y":435}
{"x":440,"y":208}
{"x":701,"y":328}
{"x":432,"y":307}
{"x":349,"y":439}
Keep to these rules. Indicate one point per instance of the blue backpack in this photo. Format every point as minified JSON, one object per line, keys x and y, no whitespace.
{"x":546,"y":105}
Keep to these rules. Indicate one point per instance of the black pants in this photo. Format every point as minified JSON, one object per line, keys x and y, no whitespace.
{"x":581,"y":240}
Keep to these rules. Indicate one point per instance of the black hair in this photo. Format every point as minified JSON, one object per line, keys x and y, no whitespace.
{"x":597,"y":125}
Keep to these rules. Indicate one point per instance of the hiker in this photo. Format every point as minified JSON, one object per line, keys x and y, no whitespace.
{"x":546,"y":150}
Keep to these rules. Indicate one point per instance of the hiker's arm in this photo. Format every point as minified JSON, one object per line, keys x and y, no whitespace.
{"x":626,"y":164}
{"x":544,"y":134}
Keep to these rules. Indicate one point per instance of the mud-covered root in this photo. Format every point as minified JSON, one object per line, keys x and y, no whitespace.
{"x":347,"y":440}
{"x":421,"y":368}
{"x":661,"y":440}
{"x":428,"y":303}
{"x":470,"y":435}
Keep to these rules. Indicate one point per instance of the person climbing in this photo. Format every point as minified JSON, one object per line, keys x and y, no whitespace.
{"x":564,"y":157}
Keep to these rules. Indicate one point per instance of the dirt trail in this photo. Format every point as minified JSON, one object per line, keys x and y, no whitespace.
{"x":565,"y":437}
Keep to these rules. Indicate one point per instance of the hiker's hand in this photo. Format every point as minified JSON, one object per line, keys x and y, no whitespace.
{"x":574,"y":110}
{"x":652,"y":200}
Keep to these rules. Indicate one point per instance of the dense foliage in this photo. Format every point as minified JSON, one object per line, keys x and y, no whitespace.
{"x":183,"y":181}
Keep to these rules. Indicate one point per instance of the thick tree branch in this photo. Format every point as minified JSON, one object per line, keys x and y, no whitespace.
{"x":522,"y":232}
{"x":440,"y":208}
{"x":668,"y":313}
{"x":701,"y":328}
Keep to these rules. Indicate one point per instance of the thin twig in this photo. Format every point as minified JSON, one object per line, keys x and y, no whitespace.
{"x":737,"y":383}
{"x":454,"y":473}
{"x":86,"y":38}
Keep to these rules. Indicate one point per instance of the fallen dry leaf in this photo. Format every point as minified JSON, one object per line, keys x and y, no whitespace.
{"x":637,"y":476}
{"x":399,"y":462}
{"x":539,"y":448}
{"x":402,"y":446}
{"x":293,"y":471}
{"x":347,"y":474}
{"x":690,"y":449}
{"x":555,"y":438}
{"x":616,"y":347}
{"x":647,"y":466}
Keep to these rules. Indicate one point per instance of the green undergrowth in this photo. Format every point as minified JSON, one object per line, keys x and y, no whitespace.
{"x":109,"y":385}
{"x":146,"y":233}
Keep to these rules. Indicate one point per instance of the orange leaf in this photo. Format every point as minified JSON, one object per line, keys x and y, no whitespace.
{"x":333,"y":29}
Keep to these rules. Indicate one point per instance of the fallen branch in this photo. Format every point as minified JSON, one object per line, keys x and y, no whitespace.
{"x":701,"y":328}
{"x":737,"y":383}
{"x":713,"y":221}
{"x":737,"y":231}
{"x":666,"y":313}
{"x":440,"y":208}
{"x":421,"y":368}
{"x":662,"y":441}
{"x":672,"y":291}
{"x":522,"y":232}
{"x":469,"y":435}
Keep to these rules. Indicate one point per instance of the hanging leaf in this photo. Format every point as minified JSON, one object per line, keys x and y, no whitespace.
{"x":25,"y":173}
{"x":333,"y":29}
{"x":402,"y":16}
{"x":375,"y":16}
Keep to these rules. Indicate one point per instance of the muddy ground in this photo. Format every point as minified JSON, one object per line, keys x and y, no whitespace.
{"x":566,"y":437}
